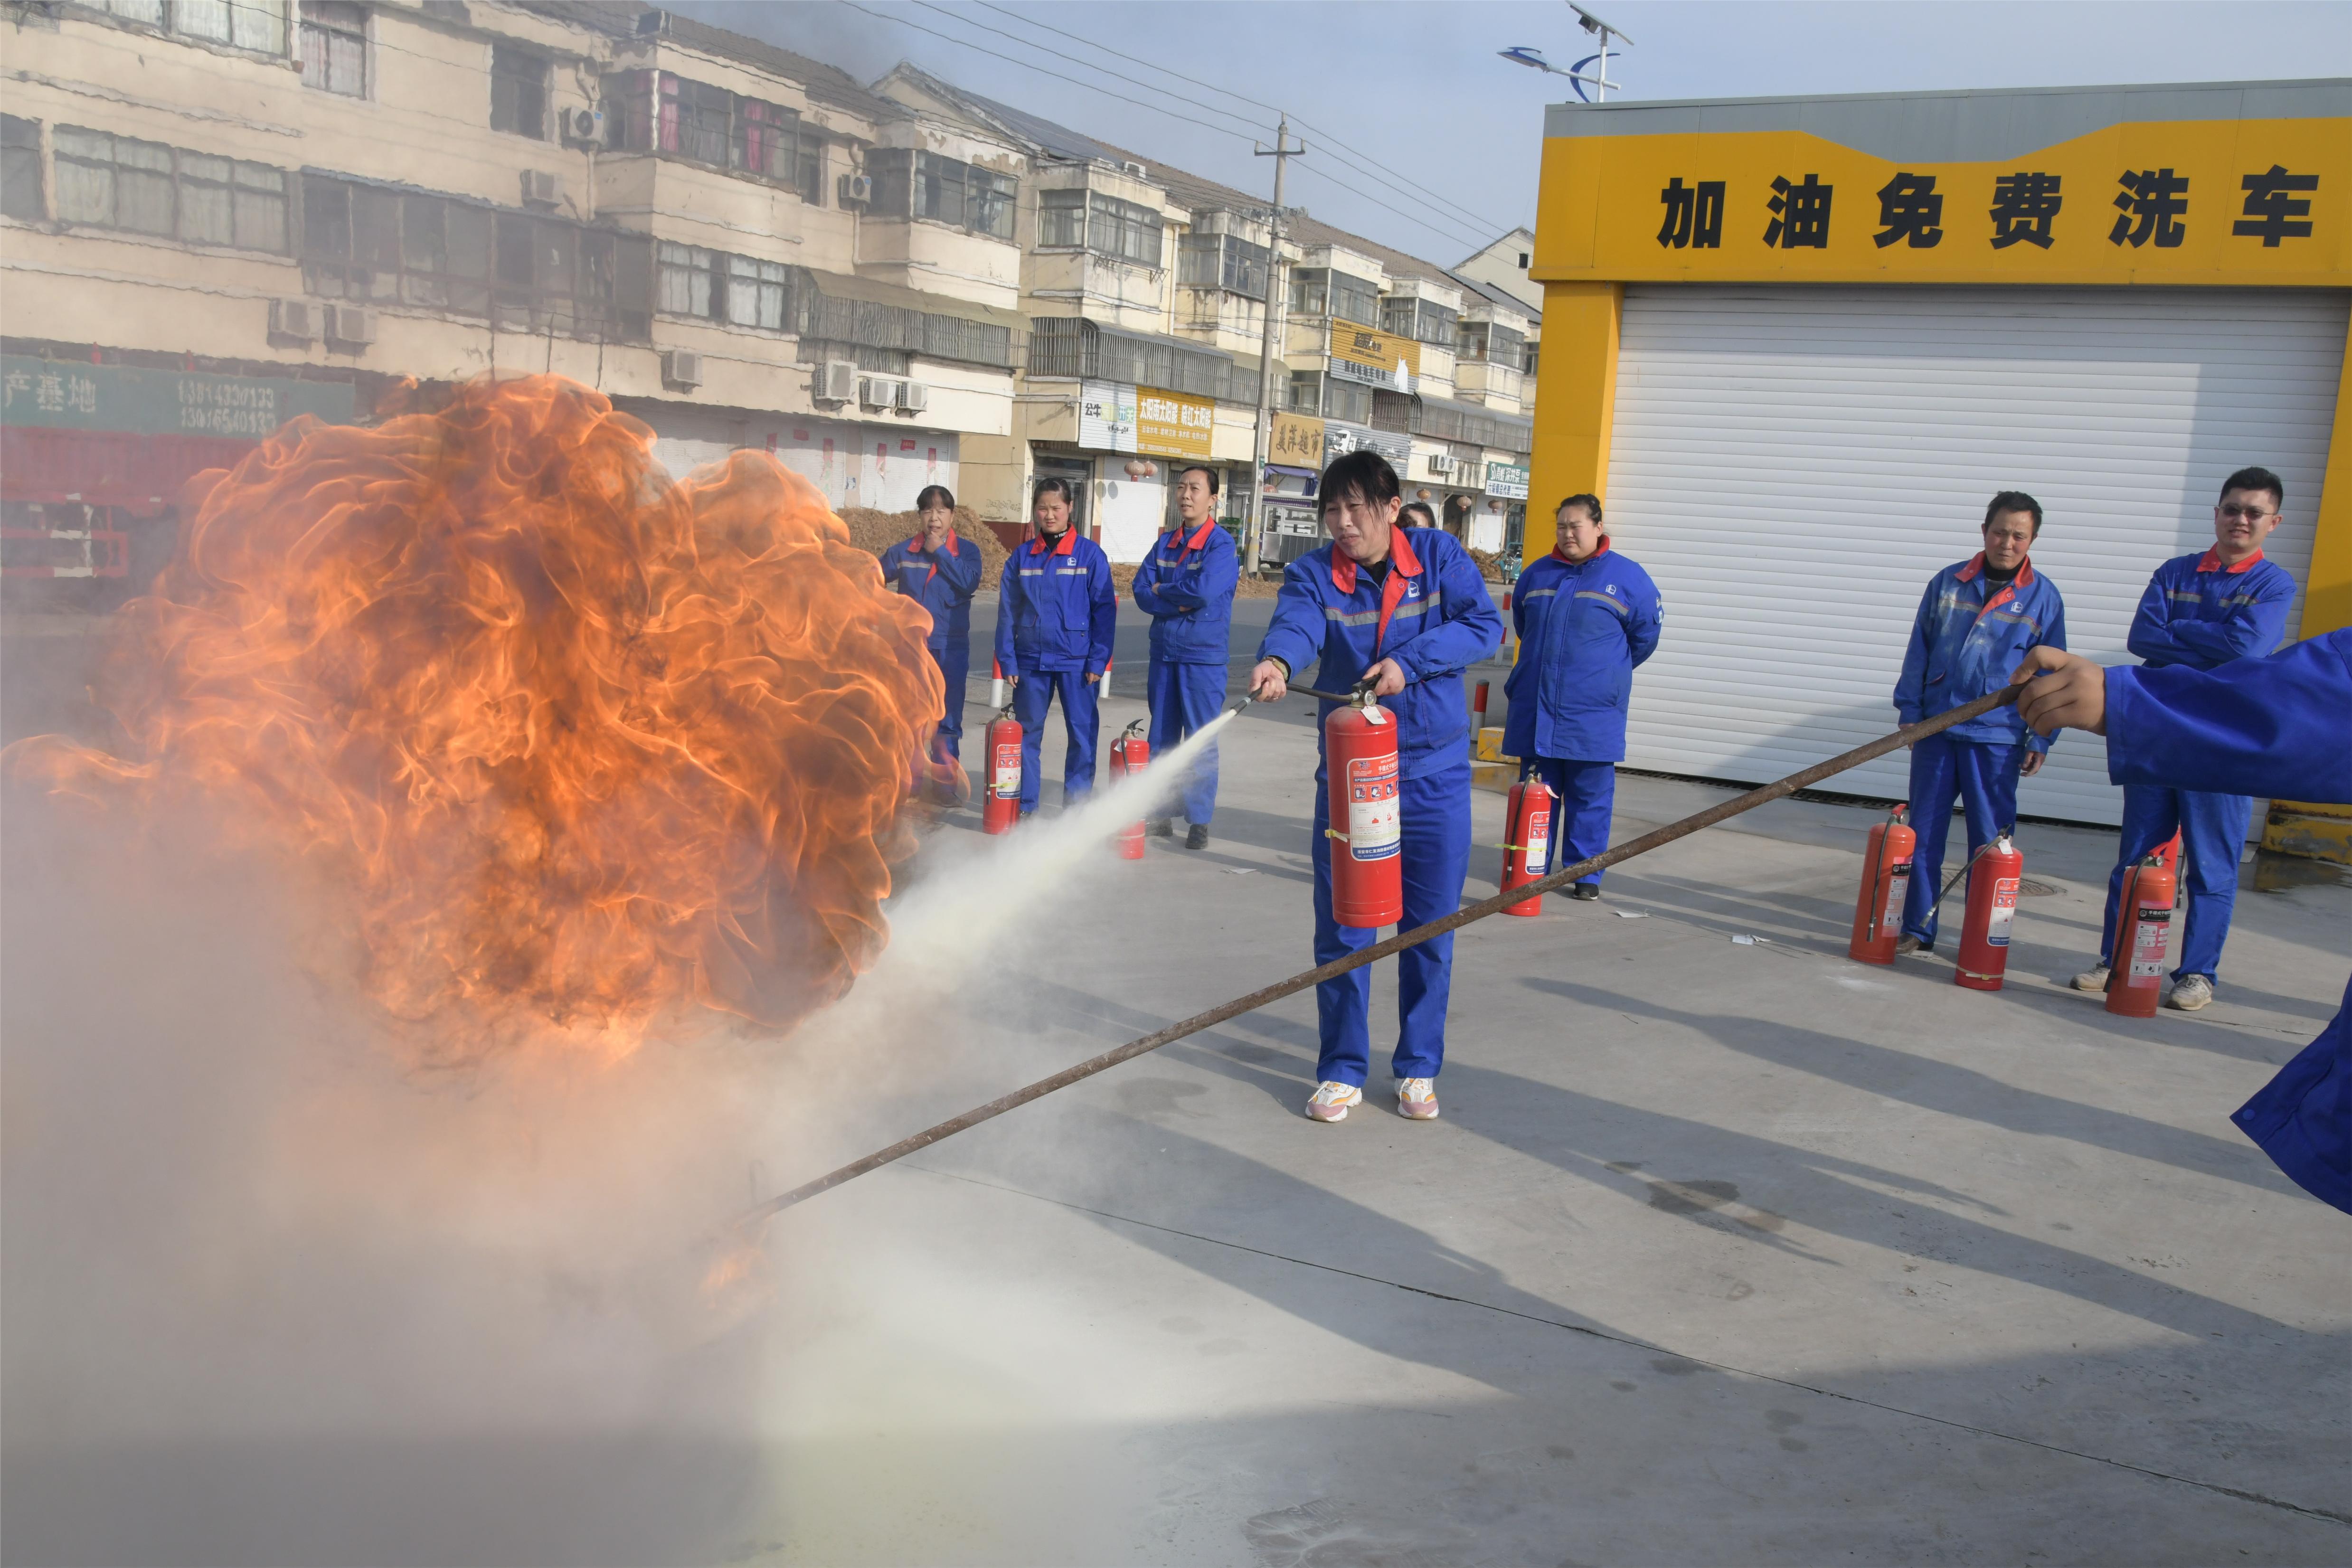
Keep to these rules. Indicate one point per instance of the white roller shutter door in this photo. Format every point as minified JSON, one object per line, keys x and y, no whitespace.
{"x":1793,"y":463}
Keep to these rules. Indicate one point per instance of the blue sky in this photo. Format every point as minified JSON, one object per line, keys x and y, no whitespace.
{"x":1440,"y":139}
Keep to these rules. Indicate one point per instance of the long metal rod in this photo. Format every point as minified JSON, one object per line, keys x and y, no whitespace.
{"x":1762,"y":795}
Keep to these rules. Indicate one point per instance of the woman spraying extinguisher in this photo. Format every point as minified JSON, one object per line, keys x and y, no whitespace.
{"x":1403,"y":610}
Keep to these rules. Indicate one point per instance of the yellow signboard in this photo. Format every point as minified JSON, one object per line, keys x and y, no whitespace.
{"x":1381,"y":352}
{"x":1173,"y":423}
{"x":1297,"y":439}
{"x":2205,"y":202}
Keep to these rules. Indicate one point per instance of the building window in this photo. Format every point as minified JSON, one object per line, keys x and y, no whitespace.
{"x":712,"y":286}
{"x":1124,"y":231}
{"x":1306,"y":392}
{"x":945,"y":190}
{"x":687,"y":281}
{"x":1418,"y":319}
{"x":518,"y":92}
{"x":113,"y":182}
{"x":1061,"y":218}
{"x":758,"y":293}
{"x":658,"y":111}
{"x":1320,"y":291}
{"x":1532,"y":355}
{"x":1491,"y":343}
{"x":1222,"y":261}
{"x":529,"y":273}
{"x":256,"y":24}
{"x":20,"y":169}
{"x":334,"y":47}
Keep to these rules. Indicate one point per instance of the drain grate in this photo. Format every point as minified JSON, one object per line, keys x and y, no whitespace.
{"x":2027,"y":888}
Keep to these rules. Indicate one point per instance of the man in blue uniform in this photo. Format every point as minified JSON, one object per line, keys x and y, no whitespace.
{"x":940,"y":572}
{"x":1186,"y":586}
{"x":1405,"y":609}
{"x":1056,"y":613}
{"x":1586,"y":617}
{"x":2202,"y":611}
{"x":1975,"y":622}
{"x":2279,"y":726}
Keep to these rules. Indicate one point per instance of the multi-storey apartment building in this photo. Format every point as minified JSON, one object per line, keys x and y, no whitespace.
{"x":1145,"y":290}
{"x":221,"y":213}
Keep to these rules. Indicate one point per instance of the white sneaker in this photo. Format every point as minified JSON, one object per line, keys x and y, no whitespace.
{"x":2190,"y":994}
{"x":1417,"y":1099}
{"x":1331,"y":1102}
{"x":2092,"y":979}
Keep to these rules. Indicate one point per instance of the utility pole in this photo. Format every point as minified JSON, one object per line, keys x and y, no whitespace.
{"x":1276,"y":298}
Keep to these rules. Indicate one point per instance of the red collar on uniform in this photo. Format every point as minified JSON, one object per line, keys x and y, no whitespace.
{"x":1343,"y":565}
{"x":1061,"y":547}
{"x":947,"y":546}
{"x":2213,"y":562}
{"x":1598,"y":551}
{"x":2024,"y":571}
{"x":1402,"y":564}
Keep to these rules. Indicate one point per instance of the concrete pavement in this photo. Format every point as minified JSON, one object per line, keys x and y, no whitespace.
{"x":1720,"y":1252}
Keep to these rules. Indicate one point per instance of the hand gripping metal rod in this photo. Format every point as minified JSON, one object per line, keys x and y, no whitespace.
{"x":1761,"y":795}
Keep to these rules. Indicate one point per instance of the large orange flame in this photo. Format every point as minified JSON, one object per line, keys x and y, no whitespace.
{"x":576,"y":742}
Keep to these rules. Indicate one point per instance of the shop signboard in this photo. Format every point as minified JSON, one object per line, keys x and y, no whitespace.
{"x":64,"y":396}
{"x":2200,"y":197}
{"x":1340,"y":438}
{"x":1297,"y":439}
{"x":1173,"y":424}
{"x":1374,"y":358}
{"x":1507,"y":480}
{"x":1107,"y":416}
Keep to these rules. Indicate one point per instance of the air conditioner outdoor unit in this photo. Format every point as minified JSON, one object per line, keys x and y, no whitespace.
{"x":350,"y":325}
{"x":584,"y":127}
{"x":875,"y":393}
{"x":1441,"y":464}
{"x":681,"y":368}
{"x":856,"y":190}
{"x":914,"y":396}
{"x":837,"y":381}
{"x":295,"y":319}
{"x":1138,"y":169}
{"x":540,"y":189}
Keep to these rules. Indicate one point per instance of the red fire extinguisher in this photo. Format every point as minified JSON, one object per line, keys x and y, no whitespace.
{"x":1000,"y":805}
{"x":1367,"y":833}
{"x":1527,"y":842}
{"x":1129,"y":754}
{"x":1886,"y":882}
{"x":1994,"y":877}
{"x":2144,"y":931}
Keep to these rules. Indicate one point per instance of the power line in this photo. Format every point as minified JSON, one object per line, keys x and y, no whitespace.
{"x":1057,"y":75}
{"x":1446,"y":229}
{"x":1351,"y":156}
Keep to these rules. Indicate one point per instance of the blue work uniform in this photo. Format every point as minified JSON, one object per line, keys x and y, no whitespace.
{"x":1583,"y":627}
{"x":1431,"y":614}
{"x":1968,"y":638}
{"x":2198,"y":613}
{"x":1055,"y":616}
{"x":1186,"y":586}
{"x":2278,"y":726}
{"x":942,"y":582}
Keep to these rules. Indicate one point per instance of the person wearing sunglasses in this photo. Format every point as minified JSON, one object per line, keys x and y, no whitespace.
{"x":2202,"y":611}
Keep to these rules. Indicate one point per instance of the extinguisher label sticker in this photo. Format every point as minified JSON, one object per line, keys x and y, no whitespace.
{"x":2004,"y":912}
{"x":1006,"y":777}
{"x":2150,"y":938}
{"x":1898,"y":885}
{"x":1375,"y":829}
{"x":1538,"y":840}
